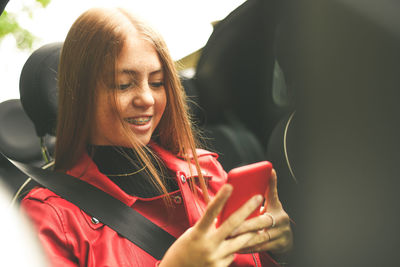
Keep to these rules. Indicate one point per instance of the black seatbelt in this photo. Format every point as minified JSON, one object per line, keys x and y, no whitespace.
{"x":109,"y":210}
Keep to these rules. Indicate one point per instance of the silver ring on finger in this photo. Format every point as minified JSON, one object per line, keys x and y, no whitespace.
{"x":272,"y":218}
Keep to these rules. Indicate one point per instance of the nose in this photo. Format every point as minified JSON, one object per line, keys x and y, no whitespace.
{"x":143,"y":96}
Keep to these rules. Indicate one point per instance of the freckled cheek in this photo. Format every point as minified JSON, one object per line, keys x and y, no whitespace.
{"x":123,"y":103}
{"x":103,"y":122}
{"x":107,"y":116}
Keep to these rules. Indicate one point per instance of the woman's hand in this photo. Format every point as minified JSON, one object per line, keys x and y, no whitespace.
{"x":274,"y":232}
{"x":206,"y":245}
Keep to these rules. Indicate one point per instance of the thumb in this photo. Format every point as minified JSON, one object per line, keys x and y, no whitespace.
{"x":271,"y":195}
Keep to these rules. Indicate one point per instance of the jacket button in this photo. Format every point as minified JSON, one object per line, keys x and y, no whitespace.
{"x":177,"y":199}
{"x":95,"y":220}
{"x":183,"y":178}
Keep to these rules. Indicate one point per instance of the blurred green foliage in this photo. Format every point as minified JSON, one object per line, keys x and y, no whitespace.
{"x":9,"y":25}
{"x":44,"y":2}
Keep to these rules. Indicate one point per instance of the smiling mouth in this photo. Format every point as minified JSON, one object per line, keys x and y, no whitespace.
{"x":138,"y":121}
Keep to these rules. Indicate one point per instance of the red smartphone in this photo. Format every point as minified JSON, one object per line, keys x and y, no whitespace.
{"x":247,"y":181}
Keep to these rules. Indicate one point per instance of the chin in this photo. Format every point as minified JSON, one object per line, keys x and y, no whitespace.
{"x":144,"y":140}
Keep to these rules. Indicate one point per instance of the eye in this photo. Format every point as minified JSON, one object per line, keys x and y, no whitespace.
{"x":157,"y":84}
{"x":124,"y":86}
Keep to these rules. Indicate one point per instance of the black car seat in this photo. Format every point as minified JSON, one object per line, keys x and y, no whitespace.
{"x":235,"y":144}
{"x":285,"y":151}
{"x":238,"y":86}
{"x":27,"y":132}
{"x":18,"y":141}
{"x":283,"y":146}
{"x":234,"y":74}
{"x":38,"y":88}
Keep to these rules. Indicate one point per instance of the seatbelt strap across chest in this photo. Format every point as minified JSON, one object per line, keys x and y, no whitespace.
{"x":109,"y":210}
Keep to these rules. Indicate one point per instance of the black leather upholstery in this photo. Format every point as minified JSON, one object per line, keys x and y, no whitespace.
{"x":235,"y":70}
{"x":38,"y":87}
{"x":24,"y":121}
{"x":285,"y":153}
{"x":18,"y":141}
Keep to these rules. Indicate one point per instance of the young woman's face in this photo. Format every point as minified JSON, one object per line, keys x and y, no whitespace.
{"x":141,"y":97}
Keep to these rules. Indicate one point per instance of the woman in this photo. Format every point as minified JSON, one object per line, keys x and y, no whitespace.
{"x":123,"y":127}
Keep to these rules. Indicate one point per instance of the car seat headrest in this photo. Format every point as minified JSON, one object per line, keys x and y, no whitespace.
{"x":38,"y":88}
{"x":234,"y":72}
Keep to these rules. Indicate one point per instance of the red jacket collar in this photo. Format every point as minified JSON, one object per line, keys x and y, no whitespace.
{"x":176,"y":163}
{"x":87,"y":170}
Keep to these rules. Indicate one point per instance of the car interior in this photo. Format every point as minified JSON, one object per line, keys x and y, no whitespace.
{"x":334,"y":148}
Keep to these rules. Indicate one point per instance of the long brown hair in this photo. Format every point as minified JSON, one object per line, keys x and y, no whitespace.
{"x":88,"y":56}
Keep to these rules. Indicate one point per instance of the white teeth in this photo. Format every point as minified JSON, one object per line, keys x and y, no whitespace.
{"x":138,"y":121}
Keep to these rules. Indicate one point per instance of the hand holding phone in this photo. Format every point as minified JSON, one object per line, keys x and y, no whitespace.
{"x":247,"y":181}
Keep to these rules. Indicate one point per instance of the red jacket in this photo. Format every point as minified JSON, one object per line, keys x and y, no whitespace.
{"x":73,"y":238}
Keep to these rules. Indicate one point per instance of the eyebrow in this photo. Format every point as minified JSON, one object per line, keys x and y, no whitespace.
{"x":133,"y":72}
